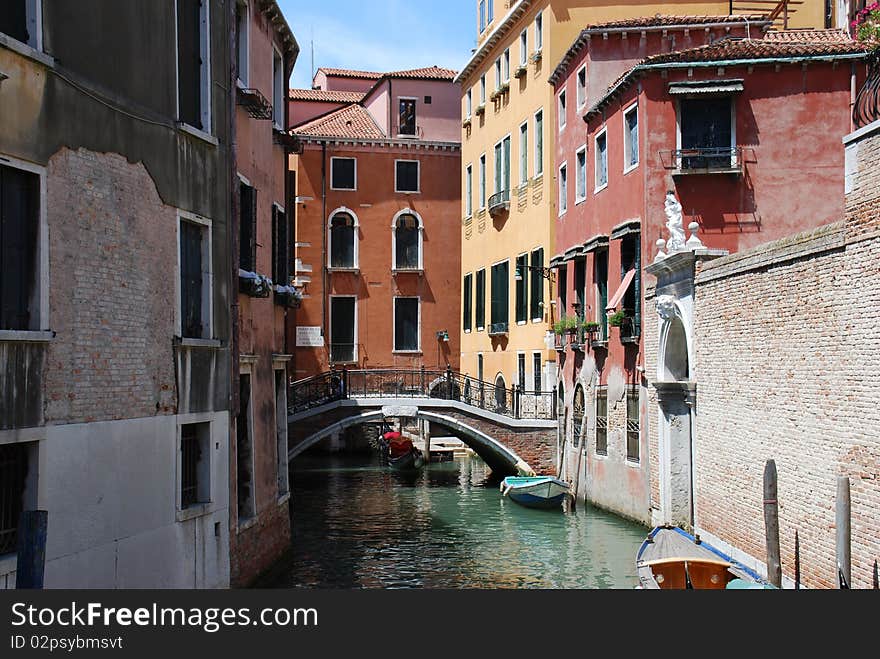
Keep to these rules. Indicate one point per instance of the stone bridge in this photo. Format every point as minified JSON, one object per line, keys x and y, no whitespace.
{"x":513,"y":431}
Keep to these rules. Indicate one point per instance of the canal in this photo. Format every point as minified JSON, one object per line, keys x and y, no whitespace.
{"x":356,"y":524}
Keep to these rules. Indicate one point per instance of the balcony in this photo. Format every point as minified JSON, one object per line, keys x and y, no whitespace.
{"x":709,"y":160}
{"x":521,"y":71}
{"x":499,"y":203}
{"x":255,"y":104}
{"x":499,"y":329}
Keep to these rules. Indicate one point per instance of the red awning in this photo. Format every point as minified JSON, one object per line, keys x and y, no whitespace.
{"x":624,"y":286}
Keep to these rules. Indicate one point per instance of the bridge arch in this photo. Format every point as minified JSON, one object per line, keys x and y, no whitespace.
{"x":499,"y":457}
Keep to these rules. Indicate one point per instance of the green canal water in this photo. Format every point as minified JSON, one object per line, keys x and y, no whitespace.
{"x":356,"y":524}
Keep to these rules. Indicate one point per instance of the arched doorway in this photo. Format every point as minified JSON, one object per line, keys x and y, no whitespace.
{"x":500,"y":394}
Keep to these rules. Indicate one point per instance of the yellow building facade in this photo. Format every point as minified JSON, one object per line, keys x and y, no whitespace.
{"x":509,"y":182}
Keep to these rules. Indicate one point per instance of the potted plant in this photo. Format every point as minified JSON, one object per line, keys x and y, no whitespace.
{"x":866,"y":26}
{"x":591,"y":327}
{"x":617,"y":318}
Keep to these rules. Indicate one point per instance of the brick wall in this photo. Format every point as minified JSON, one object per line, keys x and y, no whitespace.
{"x":113,"y":259}
{"x":255,"y":549}
{"x":787,"y":341}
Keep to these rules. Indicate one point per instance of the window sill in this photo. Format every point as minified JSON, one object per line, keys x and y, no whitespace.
{"x":27,"y":51}
{"x":600,"y":456}
{"x":246,"y":523}
{"x":214,"y":344}
{"x":631,"y":168}
{"x":522,"y":322}
{"x":537,"y":320}
{"x":635,"y":464}
{"x":402,"y":136}
{"x":407,"y":192}
{"x":194,"y":511}
{"x":284,"y":498}
{"x":600,"y":188}
{"x":200,"y":134}
{"x":26,"y":336}
{"x":353,"y":271}
{"x":467,"y":331}
{"x":578,"y":202}
{"x":343,"y":189}
{"x":8,"y":563}
{"x":406,"y":352}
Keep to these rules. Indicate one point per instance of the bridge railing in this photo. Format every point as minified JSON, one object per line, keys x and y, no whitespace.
{"x":514,"y":402}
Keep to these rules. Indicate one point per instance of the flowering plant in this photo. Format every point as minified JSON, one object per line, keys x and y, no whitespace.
{"x":866,"y":26}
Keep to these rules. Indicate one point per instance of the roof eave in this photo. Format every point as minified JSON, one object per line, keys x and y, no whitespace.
{"x":513,"y":15}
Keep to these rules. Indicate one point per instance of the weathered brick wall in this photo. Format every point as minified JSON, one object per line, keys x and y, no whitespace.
{"x":788,"y":368}
{"x":651,"y":339}
{"x":254,"y":550}
{"x":112,"y":260}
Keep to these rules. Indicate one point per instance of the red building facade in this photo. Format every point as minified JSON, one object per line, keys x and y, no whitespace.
{"x":378,"y":235}
{"x":741,"y":129}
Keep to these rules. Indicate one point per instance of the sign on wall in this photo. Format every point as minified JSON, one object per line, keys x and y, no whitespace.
{"x":309,"y":337}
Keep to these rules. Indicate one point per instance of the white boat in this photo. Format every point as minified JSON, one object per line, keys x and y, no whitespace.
{"x":535,"y":491}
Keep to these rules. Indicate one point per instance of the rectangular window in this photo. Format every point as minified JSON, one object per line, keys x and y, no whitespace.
{"x":524,"y":154}
{"x":562,"y":115}
{"x":631,"y":138}
{"x":278,"y":89}
{"x":505,"y":66}
{"x":581,"y":87}
{"x":539,"y":31}
{"x":407,"y":115}
{"x":563,"y":291}
{"x":19,"y":249}
{"x":343,"y":331}
{"x":581,"y":182}
{"x":343,"y":173}
{"x":247,"y":228}
{"x":468,"y":104}
{"x":480,"y":319}
{"x":521,"y":370}
{"x":537,"y":372}
{"x":241,"y":42}
{"x":524,"y":48}
{"x":193,"y":287}
{"x":522,"y":285}
{"x":539,"y":143}
{"x":707,"y":132}
{"x":490,"y":12}
{"x":14,"y":463}
{"x":244,"y":451}
{"x":580,"y":285}
{"x":632,"y":425}
{"x":482,"y":16}
{"x":282,"y":254}
{"x":480,"y":368}
{"x":193,"y":57}
{"x":502,"y":165}
{"x":483,"y":89}
{"x":281,"y":431}
{"x":563,"y":188}
{"x":469,"y":191}
{"x":537,"y":289}
{"x":497,"y":74}
{"x":630,"y":259}
{"x":195,"y":468}
{"x":601,"y":421}
{"x":406,"y":177}
{"x":21,"y":20}
{"x":482,"y":181}
{"x":600,"y":276}
{"x":406,"y":324}
{"x":500,"y":296}
{"x":601,"y":160}
{"x":467,"y":294}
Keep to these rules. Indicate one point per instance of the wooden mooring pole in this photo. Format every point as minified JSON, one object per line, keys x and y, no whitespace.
{"x":844,"y":557}
{"x":32,"y":528}
{"x":797,"y":561}
{"x":771,"y":524}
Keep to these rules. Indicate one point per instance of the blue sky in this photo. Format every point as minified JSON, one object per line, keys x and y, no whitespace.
{"x":380,"y":35}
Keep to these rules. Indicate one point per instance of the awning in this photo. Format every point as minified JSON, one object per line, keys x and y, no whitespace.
{"x":689,"y":87}
{"x":624,"y":286}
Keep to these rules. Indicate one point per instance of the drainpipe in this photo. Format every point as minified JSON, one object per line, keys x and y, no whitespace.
{"x":852,"y":97}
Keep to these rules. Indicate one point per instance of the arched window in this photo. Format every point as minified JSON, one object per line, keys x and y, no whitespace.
{"x":407,"y":229}
{"x":577,"y":416}
{"x":500,"y":394}
{"x":343,"y":239}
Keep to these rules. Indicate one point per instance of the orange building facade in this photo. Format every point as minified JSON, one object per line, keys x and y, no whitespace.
{"x":378,"y":235}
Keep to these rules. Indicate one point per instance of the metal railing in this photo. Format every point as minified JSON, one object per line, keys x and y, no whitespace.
{"x":867,"y":106}
{"x":707,"y":160}
{"x":514,"y":402}
{"x":499,"y":201}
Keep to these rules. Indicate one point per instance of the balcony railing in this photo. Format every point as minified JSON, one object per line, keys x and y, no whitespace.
{"x":709,"y":160}
{"x":499,"y":202}
{"x":499,"y":329}
{"x":867,"y":106}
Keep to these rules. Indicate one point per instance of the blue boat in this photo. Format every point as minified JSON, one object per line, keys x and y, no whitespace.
{"x":535,"y":491}
{"x":670,"y":559}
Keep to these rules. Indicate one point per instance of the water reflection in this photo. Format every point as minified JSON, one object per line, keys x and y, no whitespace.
{"x":357,"y":524}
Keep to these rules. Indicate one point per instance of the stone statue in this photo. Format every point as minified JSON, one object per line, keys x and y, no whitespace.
{"x":675,"y":224}
{"x":665,"y":305}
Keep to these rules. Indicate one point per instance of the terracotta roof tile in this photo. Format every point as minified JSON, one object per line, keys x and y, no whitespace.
{"x":352,"y":121}
{"x":325,"y":96}
{"x":810,"y":36}
{"x":351,"y":73}
{"x":428,"y":73}
{"x":663,"y":20}
{"x":744,"y":49}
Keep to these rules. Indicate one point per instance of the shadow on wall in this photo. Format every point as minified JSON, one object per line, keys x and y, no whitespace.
{"x":720,"y":203}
